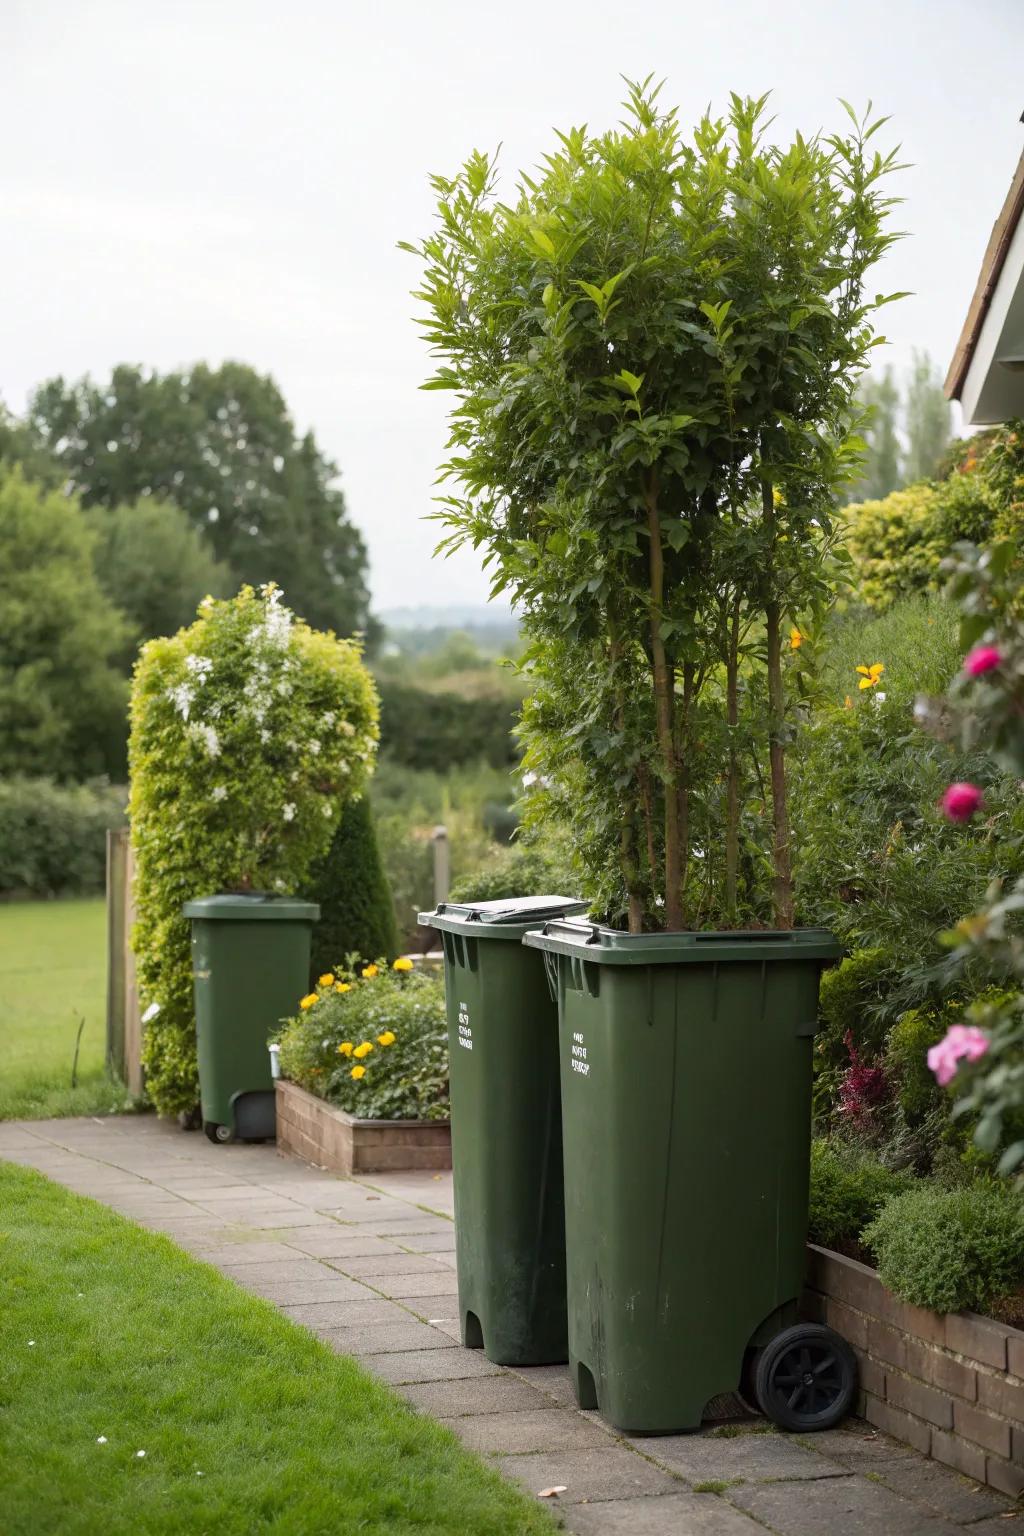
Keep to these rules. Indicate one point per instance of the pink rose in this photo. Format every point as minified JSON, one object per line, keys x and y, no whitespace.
{"x":984,"y":658}
{"x":962,"y":1042}
{"x":961,"y":801}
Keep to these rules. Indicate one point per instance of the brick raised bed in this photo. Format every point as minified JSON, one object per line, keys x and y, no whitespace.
{"x":950,"y":1385}
{"x":330,"y":1138}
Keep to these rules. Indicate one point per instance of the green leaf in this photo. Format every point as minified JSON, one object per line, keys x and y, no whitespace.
{"x":542,"y":241}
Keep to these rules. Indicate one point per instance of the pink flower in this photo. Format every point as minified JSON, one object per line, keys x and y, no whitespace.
{"x":962,"y":1042}
{"x":961,"y":801}
{"x":984,"y":658}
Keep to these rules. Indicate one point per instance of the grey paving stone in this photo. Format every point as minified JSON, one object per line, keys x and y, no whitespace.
{"x":936,"y":1487}
{"x":237,"y":1248}
{"x":551,"y":1379}
{"x":359,"y":1317}
{"x":405,"y":1227}
{"x":440,"y":1283}
{"x":429,"y":1365}
{"x":252,"y":1275}
{"x":520,"y":1431}
{"x":299,"y":1293}
{"x":281,"y":1221}
{"x":448,"y":1259}
{"x":674,"y":1514}
{"x":856,"y":1443}
{"x":607,"y":1472}
{"x":183,"y":1232}
{"x":13,"y":1139}
{"x":431,"y":1242}
{"x":843,"y":1506}
{"x":388,"y":1339}
{"x":327,"y":1242}
{"x":710,"y":1458}
{"x":488,"y":1394}
{"x":452,"y":1326}
{"x":388,"y":1264}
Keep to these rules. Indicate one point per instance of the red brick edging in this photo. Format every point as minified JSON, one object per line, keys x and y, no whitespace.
{"x":317,"y":1132}
{"x":951,"y":1385}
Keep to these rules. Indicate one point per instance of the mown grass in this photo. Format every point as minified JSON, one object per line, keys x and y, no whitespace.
{"x":52,"y":975}
{"x":248,"y":1423}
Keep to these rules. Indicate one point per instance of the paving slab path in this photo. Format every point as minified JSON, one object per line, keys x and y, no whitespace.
{"x":368,"y":1265}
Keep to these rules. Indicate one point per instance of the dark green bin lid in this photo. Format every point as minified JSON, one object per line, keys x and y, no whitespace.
{"x":609,"y":946}
{"x":260,"y":907}
{"x":505,"y":919}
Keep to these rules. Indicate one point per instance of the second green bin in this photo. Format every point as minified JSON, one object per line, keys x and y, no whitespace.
{"x":506,"y":1129}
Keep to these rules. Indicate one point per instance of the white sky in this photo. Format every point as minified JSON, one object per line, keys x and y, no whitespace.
{"x":187,"y":179}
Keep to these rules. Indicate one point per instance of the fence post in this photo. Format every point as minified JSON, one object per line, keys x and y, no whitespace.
{"x":442,"y":864}
{"x":124,"y":1025}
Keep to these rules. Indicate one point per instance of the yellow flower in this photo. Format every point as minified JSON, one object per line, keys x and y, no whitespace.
{"x":370,"y":970}
{"x":402,"y":964}
{"x":847,"y":702}
{"x":308,"y":1001}
{"x":796,"y":639}
{"x":345,"y":1048}
{"x":871,"y":676}
{"x":358,"y":1072}
{"x":342,"y":986}
{"x":326,"y":981}
{"x":387,"y":1038}
{"x":362,"y":1050}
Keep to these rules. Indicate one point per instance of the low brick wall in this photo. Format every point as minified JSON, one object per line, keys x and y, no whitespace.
{"x":950,"y":1385}
{"x":328,"y":1137}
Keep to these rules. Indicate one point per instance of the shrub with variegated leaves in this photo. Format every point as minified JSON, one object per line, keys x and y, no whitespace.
{"x":249,"y":733}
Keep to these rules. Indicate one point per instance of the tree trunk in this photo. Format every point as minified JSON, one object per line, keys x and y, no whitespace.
{"x":627,"y":830}
{"x":732,"y":796}
{"x":664,"y":703}
{"x":782,"y":884}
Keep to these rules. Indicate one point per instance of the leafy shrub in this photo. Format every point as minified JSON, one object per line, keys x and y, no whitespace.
{"x":947,"y":1249}
{"x":356,"y":916}
{"x":850,"y":996}
{"x":848,"y":1188}
{"x":906,"y":1053}
{"x":897,"y":544}
{"x":522,"y":870}
{"x":53,"y":838}
{"x":375,"y":1044}
{"x":249,"y":731}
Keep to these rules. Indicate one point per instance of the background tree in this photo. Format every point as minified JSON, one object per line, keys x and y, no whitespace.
{"x":220,"y":444}
{"x":62,"y":699}
{"x":926,"y":415}
{"x":154,"y":565}
{"x":882,"y":470}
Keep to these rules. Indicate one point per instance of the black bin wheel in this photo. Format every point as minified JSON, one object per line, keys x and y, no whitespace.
{"x":806,"y":1378}
{"x":218,"y":1133}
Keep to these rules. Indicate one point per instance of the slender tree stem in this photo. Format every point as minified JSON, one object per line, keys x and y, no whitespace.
{"x":732,"y":796}
{"x":627,"y":829}
{"x":664,"y":704}
{"x":782,"y":883}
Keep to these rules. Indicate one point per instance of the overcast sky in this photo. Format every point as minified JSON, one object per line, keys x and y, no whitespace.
{"x":205,"y":179}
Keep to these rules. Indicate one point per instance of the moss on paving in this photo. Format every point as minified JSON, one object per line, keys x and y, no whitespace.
{"x":248,"y":1423}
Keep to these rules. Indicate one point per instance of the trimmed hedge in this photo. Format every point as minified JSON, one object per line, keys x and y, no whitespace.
{"x":947,"y":1249}
{"x":848,"y":1188}
{"x":356,"y":913}
{"x":438,"y":730}
{"x":53,"y":837}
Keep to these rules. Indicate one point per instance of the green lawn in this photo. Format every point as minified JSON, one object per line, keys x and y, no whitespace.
{"x":52,"y":973}
{"x":248,"y":1422}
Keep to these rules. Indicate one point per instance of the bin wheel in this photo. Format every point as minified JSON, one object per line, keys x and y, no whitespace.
{"x":747,"y":1389}
{"x":218,"y":1133}
{"x":806,"y":1378}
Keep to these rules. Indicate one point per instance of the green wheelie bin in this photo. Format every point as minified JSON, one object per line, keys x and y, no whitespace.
{"x":686,"y":1111}
{"x":250,"y":965}
{"x":506,"y":1129}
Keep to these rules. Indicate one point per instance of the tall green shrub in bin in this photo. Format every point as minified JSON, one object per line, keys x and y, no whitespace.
{"x":250,"y":731}
{"x":653,"y":346}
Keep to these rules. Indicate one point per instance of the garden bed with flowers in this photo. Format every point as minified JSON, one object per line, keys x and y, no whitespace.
{"x":364,"y":1071}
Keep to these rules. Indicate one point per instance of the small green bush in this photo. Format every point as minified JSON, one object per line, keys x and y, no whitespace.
{"x":249,"y":732}
{"x":897,"y":544}
{"x":947,"y":1249}
{"x":53,"y":838}
{"x":522,"y":870}
{"x":849,"y":993}
{"x":375,"y":1044}
{"x":848,"y":1188}
{"x":349,"y":884}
